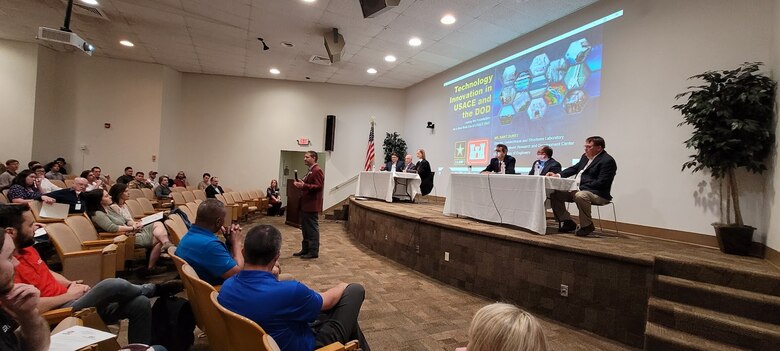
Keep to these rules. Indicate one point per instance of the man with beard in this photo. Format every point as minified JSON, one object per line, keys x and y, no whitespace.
{"x":21,"y":326}
{"x":114,"y":298}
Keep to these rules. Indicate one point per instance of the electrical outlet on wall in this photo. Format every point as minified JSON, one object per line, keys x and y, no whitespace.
{"x":446,"y":256}
{"x":564,"y":290}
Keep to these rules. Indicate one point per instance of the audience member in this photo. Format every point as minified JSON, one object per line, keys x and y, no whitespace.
{"x":61,"y":161}
{"x":214,"y":189}
{"x":92,"y":181}
{"x":152,"y":236}
{"x":207,"y":255}
{"x":127,"y":177}
{"x":152,"y":179}
{"x":163,"y":191}
{"x":423,"y":169}
{"x":502,"y":163}
{"x":54,"y":173}
{"x":44,"y":184}
{"x":544,"y":162}
{"x":104,"y":178}
{"x":297,"y":317}
{"x":395,"y":165}
{"x":21,"y":326}
{"x":409,"y":166}
{"x":140,"y":182}
{"x":504,"y":327}
{"x":274,"y":199}
{"x":180,"y":180}
{"x":594,"y":173}
{"x":310,"y":206}
{"x":70,"y":196}
{"x":11,"y":166}
{"x":205,"y":183}
{"x":32,"y":164}
{"x":113,"y":298}
{"x":25,"y":189}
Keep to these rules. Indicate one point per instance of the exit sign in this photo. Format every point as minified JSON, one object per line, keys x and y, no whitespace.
{"x":303,"y":141}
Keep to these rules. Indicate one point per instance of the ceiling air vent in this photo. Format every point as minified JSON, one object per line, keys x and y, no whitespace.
{"x":320,"y":60}
{"x":87,"y":10}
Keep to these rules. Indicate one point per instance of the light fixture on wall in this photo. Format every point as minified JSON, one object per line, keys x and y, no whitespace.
{"x":430,"y":125}
{"x":265,"y":47}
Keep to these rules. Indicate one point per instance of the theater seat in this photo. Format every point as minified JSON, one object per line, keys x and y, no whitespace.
{"x":91,"y":266}
{"x":176,"y":228}
{"x":245,"y":335}
{"x":35,"y":208}
{"x":58,"y":183}
{"x":146,"y":206}
{"x":178,"y":199}
{"x":135,"y":193}
{"x":135,"y":209}
{"x":200,"y":195}
{"x":188,"y":196}
{"x":206,"y":314}
{"x":86,"y":232}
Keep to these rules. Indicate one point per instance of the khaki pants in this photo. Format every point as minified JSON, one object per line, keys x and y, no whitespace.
{"x":584,"y":199}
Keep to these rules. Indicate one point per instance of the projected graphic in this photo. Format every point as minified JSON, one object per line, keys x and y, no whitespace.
{"x":546,"y":95}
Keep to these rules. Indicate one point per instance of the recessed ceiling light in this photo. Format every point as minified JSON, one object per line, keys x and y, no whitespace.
{"x":371,"y":71}
{"x":448,"y":19}
{"x":287,"y":44}
{"x":274,"y":71}
{"x":415,"y":41}
{"x":90,"y":2}
{"x":309,"y":0}
{"x":127,"y":43}
{"x":390,"y":58}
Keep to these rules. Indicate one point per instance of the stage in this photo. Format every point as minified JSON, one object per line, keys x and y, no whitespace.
{"x":609,"y":278}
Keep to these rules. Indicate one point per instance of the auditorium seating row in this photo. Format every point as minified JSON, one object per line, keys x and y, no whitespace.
{"x":225,"y":329}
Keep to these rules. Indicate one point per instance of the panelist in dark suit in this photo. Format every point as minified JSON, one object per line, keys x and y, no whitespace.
{"x":502,"y":163}
{"x":214,"y":189}
{"x":544,"y":162}
{"x":423,"y":169}
{"x":595,"y":172}
{"x":409,"y":166}
{"x":399,"y":165}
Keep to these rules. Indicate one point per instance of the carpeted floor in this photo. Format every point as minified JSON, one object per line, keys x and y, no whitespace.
{"x":403,"y":310}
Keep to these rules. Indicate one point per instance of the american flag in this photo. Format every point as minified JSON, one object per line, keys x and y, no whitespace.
{"x":370,"y":152}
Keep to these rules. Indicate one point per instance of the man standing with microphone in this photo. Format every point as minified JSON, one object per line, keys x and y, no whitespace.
{"x":310,"y":206}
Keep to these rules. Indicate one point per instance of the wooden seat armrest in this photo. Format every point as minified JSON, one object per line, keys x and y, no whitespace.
{"x":101,"y":243}
{"x":107,"y":235}
{"x":336,"y":346}
{"x":57,"y":315}
{"x":106,"y":250}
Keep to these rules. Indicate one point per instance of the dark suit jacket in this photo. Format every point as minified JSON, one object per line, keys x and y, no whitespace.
{"x":494,"y":166}
{"x":399,"y":166}
{"x":311,"y":193}
{"x":410,"y":168}
{"x":424,"y":171}
{"x":67,"y":196}
{"x":211,"y":192}
{"x":550,"y":166}
{"x":598,"y":177}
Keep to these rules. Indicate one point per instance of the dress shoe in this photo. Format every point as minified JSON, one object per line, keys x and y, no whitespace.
{"x":309,"y":256}
{"x":585,"y":231}
{"x":567,"y":226}
{"x":300,"y":253}
{"x":169,"y":288}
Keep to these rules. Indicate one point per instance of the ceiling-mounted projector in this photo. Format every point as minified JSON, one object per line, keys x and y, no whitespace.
{"x":65,"y":37}
{"x":334,"y":44}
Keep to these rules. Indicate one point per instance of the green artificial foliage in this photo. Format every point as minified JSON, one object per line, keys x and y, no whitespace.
{"x":394,"y":143}
{"x":732,"y":118}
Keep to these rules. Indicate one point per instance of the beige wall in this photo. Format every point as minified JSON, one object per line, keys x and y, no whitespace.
{"x":235,"y":127}
{"x":773,"y":178}
{"x":648,"y":54}
{"x":18,"y":62}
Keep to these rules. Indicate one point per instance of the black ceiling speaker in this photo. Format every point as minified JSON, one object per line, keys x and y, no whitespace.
{"x":373,"y":8}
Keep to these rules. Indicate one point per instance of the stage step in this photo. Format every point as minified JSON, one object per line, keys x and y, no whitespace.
{"x":339,"y":214}
{"x":718,"y":274}
{"x":715,"y":326}
{"x":660,"y":338}
{"x":703,"y":305}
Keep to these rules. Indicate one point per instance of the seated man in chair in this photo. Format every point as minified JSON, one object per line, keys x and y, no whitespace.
{"x":595,"y":173}
{"x":297,"y":317}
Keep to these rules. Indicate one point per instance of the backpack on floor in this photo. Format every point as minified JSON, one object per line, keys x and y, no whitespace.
{"x":173,"y":323}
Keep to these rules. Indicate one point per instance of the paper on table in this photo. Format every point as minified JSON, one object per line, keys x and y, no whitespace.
{"x":40,"y":232}
{"x":54,"y":210}
{"x":152,"y":218}
{"x":77,"y":337}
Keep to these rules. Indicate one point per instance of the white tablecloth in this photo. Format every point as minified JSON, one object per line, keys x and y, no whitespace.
{"x":385,"y":185}
{"x":503,"y":198}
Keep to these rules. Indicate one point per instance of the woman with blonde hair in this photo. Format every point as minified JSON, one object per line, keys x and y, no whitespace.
{"x":504,"y":327}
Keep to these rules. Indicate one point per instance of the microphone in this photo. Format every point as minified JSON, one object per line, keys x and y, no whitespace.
{"x":296,"y":175}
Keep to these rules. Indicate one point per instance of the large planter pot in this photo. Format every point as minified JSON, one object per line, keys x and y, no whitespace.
{"x":734,"y":240}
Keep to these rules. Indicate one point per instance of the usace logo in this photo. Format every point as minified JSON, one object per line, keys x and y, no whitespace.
{"x":477,"y":152}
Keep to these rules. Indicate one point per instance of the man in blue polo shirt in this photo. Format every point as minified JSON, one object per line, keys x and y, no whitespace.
{"x":298,"y":318}
{"x":202,"y":250}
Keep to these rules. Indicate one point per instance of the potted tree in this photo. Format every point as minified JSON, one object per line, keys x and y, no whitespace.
{"x":394,"y":143}
{"x":732,"y":118}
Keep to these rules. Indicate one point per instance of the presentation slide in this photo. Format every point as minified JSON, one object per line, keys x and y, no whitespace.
{"x":546,"y":95}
